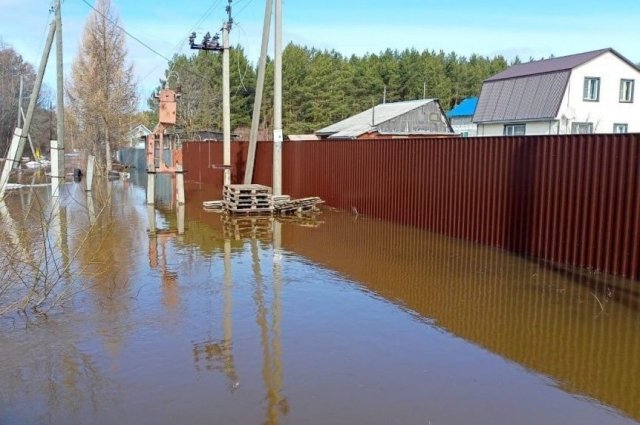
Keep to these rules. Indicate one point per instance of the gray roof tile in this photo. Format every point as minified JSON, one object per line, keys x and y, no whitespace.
{"x":533,"y":97}
{"x":361,"y":123}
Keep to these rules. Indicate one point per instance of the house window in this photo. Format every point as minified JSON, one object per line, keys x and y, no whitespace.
{"x":581,"y":128}
{"x":620,"y":128}
{"x":626,"y":90}
{"x":464,"y":134}
{"x":592,"y":89}
{"x":515,"y":129}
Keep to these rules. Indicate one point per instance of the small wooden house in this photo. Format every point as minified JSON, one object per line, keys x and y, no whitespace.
{"x":412,"y":119}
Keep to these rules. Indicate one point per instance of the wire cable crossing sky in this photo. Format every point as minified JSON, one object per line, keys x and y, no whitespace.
{"x":509,"y":28}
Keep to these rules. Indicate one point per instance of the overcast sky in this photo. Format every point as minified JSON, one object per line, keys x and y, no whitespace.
{"x":488,"y":27}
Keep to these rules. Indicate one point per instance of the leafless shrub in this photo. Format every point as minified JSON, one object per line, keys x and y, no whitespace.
{"x":47,"y":255}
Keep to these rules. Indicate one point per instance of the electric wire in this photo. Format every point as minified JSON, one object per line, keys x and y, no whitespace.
{"x":180,"y":45}
{"x":142,"y":43}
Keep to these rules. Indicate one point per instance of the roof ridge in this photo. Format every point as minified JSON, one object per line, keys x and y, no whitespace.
{"x":551,"y":65}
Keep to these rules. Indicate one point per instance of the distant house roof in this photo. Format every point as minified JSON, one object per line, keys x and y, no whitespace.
{"x":531,"y":91}
{"x":302,"y":137}
{"x":139,"y":130}
{"x":196,"y":135}
{"x":369,"y":120}
{"x":466,"y":108}
{"x":536,"y":97}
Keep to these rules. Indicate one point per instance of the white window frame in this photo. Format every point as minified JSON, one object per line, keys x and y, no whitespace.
{"x":620,"y":128}
{"x":577,"y":126}
{"x":591,"y":89}
{"x":627,"y":88}
{"x":515,"y":130}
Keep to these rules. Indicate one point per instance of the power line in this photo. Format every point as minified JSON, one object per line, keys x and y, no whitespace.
{"x":142,"y":43}
{"x":180,"y":45}
{"x":126,"y":32}
{"x":245,"y":6}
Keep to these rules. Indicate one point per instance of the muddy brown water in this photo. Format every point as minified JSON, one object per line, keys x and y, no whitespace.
{"x":334,"y":319}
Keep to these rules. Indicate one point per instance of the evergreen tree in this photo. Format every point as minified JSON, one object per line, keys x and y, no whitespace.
{"x":322,"y":87}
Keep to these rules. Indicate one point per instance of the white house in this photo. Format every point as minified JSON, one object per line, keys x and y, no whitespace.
{"x":137,"y":137}
{"x":592,"y":92}
{"x":461,"y":117}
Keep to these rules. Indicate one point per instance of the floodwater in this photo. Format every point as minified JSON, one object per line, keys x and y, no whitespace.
{"x":334,"y":319}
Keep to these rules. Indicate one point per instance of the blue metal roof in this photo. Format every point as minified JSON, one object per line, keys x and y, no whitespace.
{"x":466,"y":108}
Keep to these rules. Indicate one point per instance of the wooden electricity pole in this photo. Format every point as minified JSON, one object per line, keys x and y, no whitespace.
{"x":19,"y":125}
{"x":57,"y":148}
{"x":212,"y":44}
{"x":257,"y":104}
{"x":19,"y":137}
{"x":277,"y":103}
{"x":226,"y":98}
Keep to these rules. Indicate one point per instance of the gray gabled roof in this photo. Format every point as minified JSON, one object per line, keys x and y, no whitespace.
{"x":367,"y":121}
{"x":531,"y":91}
{"x":535,"y":97}
{"x":563,"y":63}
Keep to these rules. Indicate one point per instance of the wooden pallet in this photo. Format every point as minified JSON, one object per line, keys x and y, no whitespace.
{"x":260,"y":212}
{"x":265,"y":202}
{"x":248,"y":189}
{"x":247,"y":206}
{"x":297,"y":205}
{"x":217,"y":206}
{"x":245,"y":196}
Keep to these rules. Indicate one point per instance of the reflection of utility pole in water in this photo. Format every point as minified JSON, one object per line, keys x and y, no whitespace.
{"x":91,"y":208}
{"x":271,"y":353}
{"x":227,"y":343}
{"x":276,"y":325}
{"x":27,"y":195}
{"x":9,"y":226}
{"x":180,"y":210}
{"x":59,"y":225}
{"x":151,"y":216}
{"x":218,"y":355}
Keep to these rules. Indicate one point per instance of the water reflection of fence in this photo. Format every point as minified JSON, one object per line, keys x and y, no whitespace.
{"x":580,"y":330}
{"x":567,"y":199}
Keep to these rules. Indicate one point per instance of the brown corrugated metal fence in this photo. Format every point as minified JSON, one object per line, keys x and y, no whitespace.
{"x":572,"y":200}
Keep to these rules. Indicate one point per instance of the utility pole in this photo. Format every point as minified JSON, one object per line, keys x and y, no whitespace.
{"x":20,"y":102}
{"x":384,"y":95}
{"x":33,"y":151}
{"x":58,"y":178}
{"x":36,"y":91}
{"x":21,"y":115}
{"x":257,"y":104}
{"x":19,"y":136}
{"x":277,"y":104}
{"x":212,"y":44}
{"x":424,"y":91}
{"x":226,"y":97}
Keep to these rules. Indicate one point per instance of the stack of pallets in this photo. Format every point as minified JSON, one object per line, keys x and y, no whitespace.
{"x":248,"y":199}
